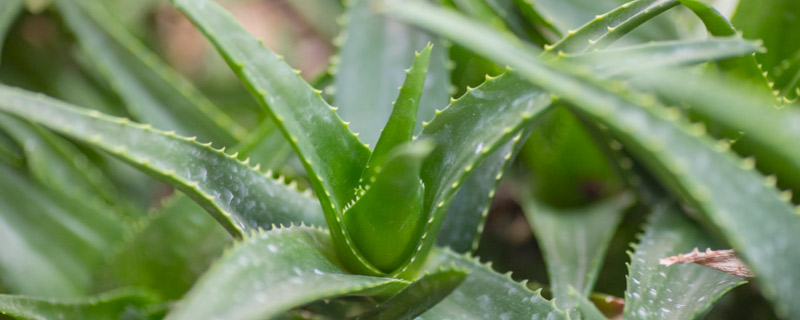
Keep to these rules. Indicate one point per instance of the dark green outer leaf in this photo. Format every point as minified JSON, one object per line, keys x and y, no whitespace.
{"x":574,"y":242}
{"x":722,"y":186}
{"x":374,"y":52}
{"x":486,"y":294}
{"x":332,"y":156}
{"x":9,"y":9}
{"x":118,"y":304}
{"x":152,"y":91}
{"x":271,"y":272}
{"x":674,"y":292}
{"x":240,"y":197}
{"x":419,"y":296}
{"x":51,"y":243}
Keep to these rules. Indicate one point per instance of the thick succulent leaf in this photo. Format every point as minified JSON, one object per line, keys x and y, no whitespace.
{"x":52,"y":243}
{"x":609,"y":27}
{"x":584,"y":306}
{"x":274,"y":271}
{"x":10,"y":152}
{"x":529,"y":10}
{"x":516,"y":22}
{"x":486,"y":294}
{"x":152,"y":91}
{"x":770,"y":21}
{"x":399,"y":128}
{"x":118,"y":304}
{"x":769,"y":132}
{"x":240,"y":197}
{"x":464,"y":219}
{"x":787,"y":79}
{"x":665,"y":54}
{"x":57,"y":163}
{"x":390,"y":204}
{"x":574,"y":242}
{"x":167,"y":251}
{"x":691,"y":166}
{"x":370,"y":65}
{"x":332,"y":156}
{"x":674,"y":292}
{"x":481,"y":10}
{"x":467,"y":132}
{"x":716,"y":24}
{"x":8,"y":14}
{"x":419,"y":296}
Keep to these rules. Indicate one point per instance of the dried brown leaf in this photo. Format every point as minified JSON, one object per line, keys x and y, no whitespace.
{"x":722,"y":260}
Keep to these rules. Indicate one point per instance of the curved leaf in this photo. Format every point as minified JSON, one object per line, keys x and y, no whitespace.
{"x":369,"y":68}
{"x":574,"y":242}
{"x":675,"y":292}
{"x":419,"y":296}
{"x":152,"y":91}
{"x":486,"y":294}
{"x":52,"y":244}
{"x":725,"y":188}
{"x":769,"y":20}
{"x":240,"y":197}
{"x":271,"y":272}
{"x":118,"y":304}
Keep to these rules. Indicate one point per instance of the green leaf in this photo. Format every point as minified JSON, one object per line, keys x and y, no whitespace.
{"x":419,"y":296}
{"x":769,"y":20}
{"x":332,"y":156}
{"x":118,"y":304}
{"x":53,"y":244}
{"x":391,"y":203}
{"x":691,"y":167}
{"x":584,"y":306}
{"x":266,"y":146}
{"x":665,"y":54}
{"x":10,"y":151}
{"x":399,"y":128}
{"x":152,"y":91}
{"x":464,"y":219}
{"x":464,"y":134}
{"x":167,"y":251}
{"x":320,"y":15}
{"x":486,"y":294}
{"x":9,"y":10}
{"x":574,"y":242}
{"x":370,"y":65}
{"x":674,"y":292}
{"x":609,"y":27}
{"x":240,"y":197}
{"x":529,"y":10}
{"x":274,"y":271}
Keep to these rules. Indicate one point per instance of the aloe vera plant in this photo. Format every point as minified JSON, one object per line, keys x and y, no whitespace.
{"x":281,"y":210}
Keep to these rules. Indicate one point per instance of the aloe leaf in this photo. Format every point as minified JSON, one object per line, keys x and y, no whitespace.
{"x":240,"y":197}
{"x":574,"y":242}
{"x":400,"y":127}
{"x":584,"y":306}
{"x":718,"y":25}
{"x":481,"y":11}
{"x":464,"y":219}
{"x":320,"y":15}
{"x":52,"y":244}
{"x":609,"y":27}
{"x":787,"y":79}
{"x":332,"y":156}
{"x":529,"y":10}
{"x":117,"y":304}
{"x":153,"y":92}
{"x":370,"y":65}
{"x":266,"y":146}
{"x":419,"y":296}
{"x":9,"y":10}
{"x":486,"y":294}
{"x":195,"y":239}
{"x":516,"y":22}
{"x":467,"y":132}
{"x":274,"y":271}
{"x":57,"y":163}
{"x":691,"y":167}
{"x":10,"y":151}
{"x":675,"y":292}
{"x":769,"y":21}
{"x":664,"y":54}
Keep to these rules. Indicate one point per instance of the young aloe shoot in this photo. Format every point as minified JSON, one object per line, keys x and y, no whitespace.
{"x":385,"y":218}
